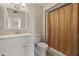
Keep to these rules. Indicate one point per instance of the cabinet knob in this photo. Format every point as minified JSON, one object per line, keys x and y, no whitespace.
{"x":25,"y":46}
{"x":3,"y":55}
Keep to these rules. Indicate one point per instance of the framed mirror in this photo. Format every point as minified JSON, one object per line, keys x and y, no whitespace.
{"x":15,"y":20}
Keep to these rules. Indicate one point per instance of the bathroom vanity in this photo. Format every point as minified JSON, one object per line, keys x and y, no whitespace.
{"x":13,"y":20}
{"x":17,"y":45}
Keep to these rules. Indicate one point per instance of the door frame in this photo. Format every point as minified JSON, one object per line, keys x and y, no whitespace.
{"x":53,"y":8}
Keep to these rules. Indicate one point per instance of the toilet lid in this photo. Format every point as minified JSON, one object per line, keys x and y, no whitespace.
{"x":42,"y":44}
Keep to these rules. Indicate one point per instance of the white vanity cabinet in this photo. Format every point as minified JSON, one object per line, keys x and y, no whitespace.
{"x":14,"y":51}
{"x":17,"y":46}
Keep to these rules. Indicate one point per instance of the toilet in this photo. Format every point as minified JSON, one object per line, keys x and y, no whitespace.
{"x":40,"y":47}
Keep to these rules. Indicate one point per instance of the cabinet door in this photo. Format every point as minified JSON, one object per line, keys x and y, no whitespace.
{"x":23,"y":50}
{"x":18,"y":51}
{"x":14,"y":51}
{"x":28,"y":50}
{"x":6,"y":52}
{"x":2,"y":52}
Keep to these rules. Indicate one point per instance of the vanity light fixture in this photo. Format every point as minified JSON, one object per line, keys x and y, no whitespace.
{"x":19,"y":5}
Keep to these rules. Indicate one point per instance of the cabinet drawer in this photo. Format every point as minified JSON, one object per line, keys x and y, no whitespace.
{"x":15,"y":41}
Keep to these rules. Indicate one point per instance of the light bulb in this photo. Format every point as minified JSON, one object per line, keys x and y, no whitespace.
{"x":23,"y":4}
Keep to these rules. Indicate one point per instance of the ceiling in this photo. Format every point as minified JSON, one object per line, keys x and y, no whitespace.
{"x":46,"y":4}
{"x":43,"y":4}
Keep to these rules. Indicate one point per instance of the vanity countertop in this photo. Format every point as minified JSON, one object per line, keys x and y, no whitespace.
{"x":17,"y":35}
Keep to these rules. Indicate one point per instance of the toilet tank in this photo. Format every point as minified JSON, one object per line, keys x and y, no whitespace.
{"x":37,"y":38}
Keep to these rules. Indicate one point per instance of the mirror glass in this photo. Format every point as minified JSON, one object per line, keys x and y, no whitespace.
{"x":16,"y":19}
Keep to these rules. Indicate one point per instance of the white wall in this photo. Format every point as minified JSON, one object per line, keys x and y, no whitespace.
{"x":35,"y":14}
{"x":45,"y":7}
